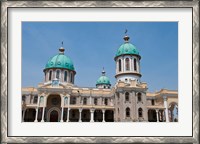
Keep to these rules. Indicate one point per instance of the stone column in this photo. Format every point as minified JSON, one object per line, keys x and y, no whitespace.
{"x":103,"y":111}
{"x":80,"y":111}
{"x":61,"y":117}
{"x":43,"y":111}
{"x":23,"y":115}
{"x":91,"y":115}
{"x":36,"y":114}
{"x":157,"y":115}
{"x":68,"y":114}
{"x":166,"y":108}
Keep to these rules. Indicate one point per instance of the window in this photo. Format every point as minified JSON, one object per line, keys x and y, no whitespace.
{"x":106,"y":101}
{"x":58,"y":74}
{"x":71,"y":77}
{"x":35,"y":99}
{"x":152,"y":102}
{"x":73,"y":100}
{"x":128,"y":112}
{"x":50,"y":73}
{"x":140,"y":112}
{"x":139,"y":97}
{"x":45,"y":76}
{"x":65,"y":76}
{"x":135,"y":65}
{"x":127,"y":64}
{"x":127,"y":96}
{"x":120,"y":65}
{"x":95,"y":101}
{"x":85,"y":101}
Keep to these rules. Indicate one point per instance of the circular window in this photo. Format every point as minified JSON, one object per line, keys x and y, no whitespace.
{"x":54,"y":101}
{"x":58,"y":63}
{"x":66,"y":64}
{"x":51,"y":63}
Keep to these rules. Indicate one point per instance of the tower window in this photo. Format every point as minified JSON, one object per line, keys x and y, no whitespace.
{"x":152,"y":102}
{"x":135,"y":65}
{"x":139,"y":97}
{"x":65,"y":76}
{"x":50,"y":75}
{"x":140,"y":112}
{"x":127,"y":112}
{"x":127,"y":64}
{"x":71,"y":78}
{"x":95,"y":101}
{"x":85,"y":101}
{"x":120,"y":65}
{"x":127,"y":96}
{"x":58,"y":74}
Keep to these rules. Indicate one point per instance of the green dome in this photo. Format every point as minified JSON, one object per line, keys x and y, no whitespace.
{"x":127,"y":48}
{"x":60,"y":61}
{"x":103,"y":80}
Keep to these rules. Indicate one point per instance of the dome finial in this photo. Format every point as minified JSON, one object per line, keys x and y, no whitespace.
{"x":61,"y":49}
{"x":126,"y":37}
{"x":103,"y":72}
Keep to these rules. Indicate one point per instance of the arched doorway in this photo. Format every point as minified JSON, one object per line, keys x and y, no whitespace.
{"x":54,"y":116}
{"x":98,"y":116}
{"x":152,"y":115}
{"x":29,"y":115}
{"x":173,"y":112}
{"x":109,"y":116}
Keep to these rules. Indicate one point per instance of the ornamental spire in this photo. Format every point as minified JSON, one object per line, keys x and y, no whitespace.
{"x":126,"y":37}
{"x":103,"y":72}
{"x":61,"y":49}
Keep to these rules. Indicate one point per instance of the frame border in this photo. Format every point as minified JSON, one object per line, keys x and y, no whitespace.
{"x":5,"y":5}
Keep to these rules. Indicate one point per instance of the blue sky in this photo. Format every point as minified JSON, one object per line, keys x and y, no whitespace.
{"x":93,"y":45}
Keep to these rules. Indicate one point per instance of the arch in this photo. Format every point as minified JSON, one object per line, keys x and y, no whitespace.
{"x":127,"y":112}
{"x":126,"y":96}
{"x":85,"y":101}
{"x":35,"y":99}
{"x":49,"y":113}
{"x":29,"y":115}
{"x":41,"y":100}
{"x":152,"y":115}
{"x":173,"y":112}
{"x":135,"y":64}
{"x":127,"y":61}
{"x":50,"y":74}
{"x":65,"y":76}
{"x":120,"y":65}
{"x":140,"y":112}
{"x":95,"y":101}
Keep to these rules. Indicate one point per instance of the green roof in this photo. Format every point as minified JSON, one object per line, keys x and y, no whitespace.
{"x":127,"y":48}
{"x":103,"y":80}
{"x":60,"y":61}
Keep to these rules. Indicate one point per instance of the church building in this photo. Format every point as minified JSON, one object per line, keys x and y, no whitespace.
{"x":58,"y":99}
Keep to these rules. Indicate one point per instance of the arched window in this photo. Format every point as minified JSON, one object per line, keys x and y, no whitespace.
{"x":127,"y":96}
{"x":50,"y":75}
{"x":127,"y":64}
{"x":95,"y":101}
{"x":41,"y":100}
{"x":71,"y":77}
{"x":135,"y":65}
{"x":35,"y":99}
{"x":23,"y":98}
{"x":140,"y":112}
{"x":127,"y":112}
{"x":106,"y":101}
{"x":120,"y":65}
{"x":73,"y":100}
{"x":139,"y":97}
{"x":58,"y":74}
{"x":152,"y":102}
{"x":65,"y":76}
{"x":85,"y":101}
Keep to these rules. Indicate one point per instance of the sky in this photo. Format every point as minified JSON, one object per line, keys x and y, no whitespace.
{"x":93,"y":45}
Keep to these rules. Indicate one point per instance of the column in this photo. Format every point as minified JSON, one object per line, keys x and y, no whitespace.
{"x":166,"y":109}
{"x":43,"y":111}
{"x":68,"y":115}
{"x":157,"y":115}
{"x":80,"y":111}
{"x":91,"y":115}
{"x":36,"y":115}
{"x":61,"y":117}
{"x":103,"y":111}
{"x":23,"y":115}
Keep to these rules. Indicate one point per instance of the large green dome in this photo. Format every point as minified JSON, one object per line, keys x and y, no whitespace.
{"x":127,"y":48}
{"x":103,"y":80}
{"x":60,"y":61}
